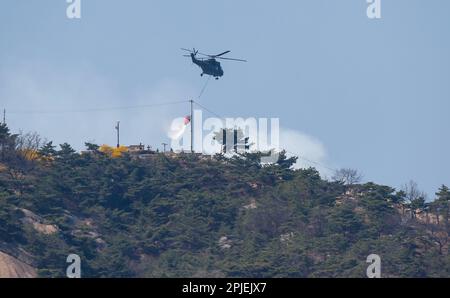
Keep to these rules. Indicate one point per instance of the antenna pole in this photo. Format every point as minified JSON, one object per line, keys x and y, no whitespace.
{"x":118,"y":133}
{"x":235,"y":140}
{"x":192,"y":126}
{"x":4,"y":116}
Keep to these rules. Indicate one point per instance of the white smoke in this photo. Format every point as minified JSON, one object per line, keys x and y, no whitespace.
{"x":40,"y":87}
{"x":311,"y":151}
{"x":177,"y":129}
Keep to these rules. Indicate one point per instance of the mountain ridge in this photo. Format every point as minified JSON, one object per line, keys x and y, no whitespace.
{"x":182,"y":215}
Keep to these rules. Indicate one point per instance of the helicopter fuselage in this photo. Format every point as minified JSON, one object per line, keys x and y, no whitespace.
{"x":209,"y":66}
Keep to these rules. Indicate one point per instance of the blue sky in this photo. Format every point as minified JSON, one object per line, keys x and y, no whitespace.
{"x":368,"y":94}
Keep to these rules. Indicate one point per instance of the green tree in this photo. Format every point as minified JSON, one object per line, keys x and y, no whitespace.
{"x":48,"y":150}
{"x":442,"y":202}
{"x":92,"y":147}
{"x":7,"y":144}
{"x":66,"y":151}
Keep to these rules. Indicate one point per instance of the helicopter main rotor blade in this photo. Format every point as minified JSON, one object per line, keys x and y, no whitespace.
{"x":214,"y":56}
{"x":190,"y":51}
{"x":221,"y":54}
{"x":206,"y":55}
{"x":223,"y":58}
{"x":196,"y":52}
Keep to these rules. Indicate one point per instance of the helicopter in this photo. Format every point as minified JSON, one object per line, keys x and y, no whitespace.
{"x":210,"y":66}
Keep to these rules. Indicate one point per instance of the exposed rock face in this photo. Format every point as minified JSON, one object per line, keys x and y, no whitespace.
{"x":224,"y":242}
{"x":38,"y":223}
{"x":10,"y":267}
{"x":252,"y":205}
{"x":85,"y":228}
{"x":286,"y":237}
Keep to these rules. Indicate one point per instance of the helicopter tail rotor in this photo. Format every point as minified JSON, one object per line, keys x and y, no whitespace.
{"x":193,"y":51}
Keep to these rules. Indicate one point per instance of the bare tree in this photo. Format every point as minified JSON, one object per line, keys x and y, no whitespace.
{"x":347,"y":176}
{"x":22,"y":157}
{"x":415,"y":198}
{"x":28,"y":144}
{"x":411,"y":190}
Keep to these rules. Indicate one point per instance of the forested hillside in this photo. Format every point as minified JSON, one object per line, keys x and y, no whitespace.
{"x":185,"y":215}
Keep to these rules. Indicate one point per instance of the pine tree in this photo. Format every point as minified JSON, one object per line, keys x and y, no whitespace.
{"x":442,"y":202}
{"x":7,"y":143}
{"x":48,"y":150}
{"x":66,"y":151}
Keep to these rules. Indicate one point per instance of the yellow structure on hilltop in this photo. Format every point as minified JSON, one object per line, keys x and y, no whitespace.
{"x":113,"y":151}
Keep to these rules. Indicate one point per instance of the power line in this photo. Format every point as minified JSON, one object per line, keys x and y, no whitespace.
{"x":208,"y":110}
{"x":87,"y":110}
{"x":311,"y":161}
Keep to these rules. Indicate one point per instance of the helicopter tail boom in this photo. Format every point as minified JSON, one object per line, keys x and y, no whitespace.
{"x":194,"y":59}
